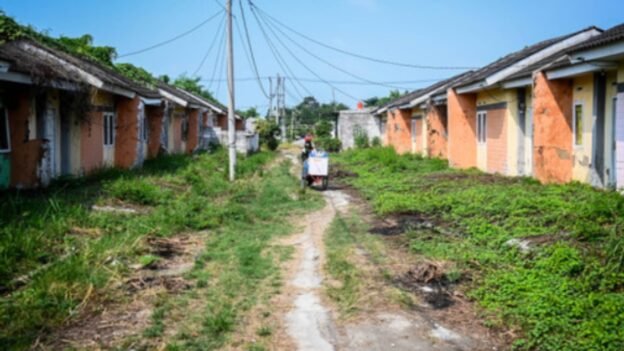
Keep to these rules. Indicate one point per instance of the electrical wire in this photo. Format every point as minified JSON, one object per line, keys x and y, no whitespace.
{"x":204,"y":22}
{"x":308,"y":68}
{"x":220,"y":51}
{"x":360,"y":56}
{"x":331,"y":64}
{"x":345,"y":82}
{"x":251,"y":52}
{"x":280,"y":60}
{"x":212,"y":44}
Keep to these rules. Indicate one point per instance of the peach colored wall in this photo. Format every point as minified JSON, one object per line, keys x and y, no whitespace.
{"x":398,"y":132}
{"x":193,"y":132}
{"x":437,"y":131}
{"x":552,"y":116}
{"x":176,"y":131}
{"x":26,"y":153}
{"x":462,"y":140}
{"x":154,"y":115}
{"x":126,"y":132}
{"x":497,"y":141}
{"x":92,"y":142}
{"x":418,"y":139}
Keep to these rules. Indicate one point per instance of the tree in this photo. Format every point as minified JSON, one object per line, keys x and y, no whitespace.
{"x":249,"y":113}
{"x":192,"y":85}
{"x":380,"y":101}
{"x":268,"y":132}
{"x":135,"y":73}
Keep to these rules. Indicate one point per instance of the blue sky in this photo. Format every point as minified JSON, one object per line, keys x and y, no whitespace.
{"x":440,"y":33}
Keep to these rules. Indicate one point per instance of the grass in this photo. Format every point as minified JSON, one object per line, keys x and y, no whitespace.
{"x":83,"y":252}
{"x":566,"y":293}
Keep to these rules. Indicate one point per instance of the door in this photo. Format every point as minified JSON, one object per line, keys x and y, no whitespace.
{"x":5,"y":149}
{"x":142,"y":136}
{"x":482,"y":140}
{"x":49,"y":166}
{"x":613,"y":148}
{"x":528,"y":164}
{"x":600,"y":85}
{"x":414,"y":133}
{"x":109,"y":139}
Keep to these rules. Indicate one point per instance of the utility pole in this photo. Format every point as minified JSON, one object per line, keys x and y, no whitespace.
{"x":283,"y":112}
{"x":231,"y":113}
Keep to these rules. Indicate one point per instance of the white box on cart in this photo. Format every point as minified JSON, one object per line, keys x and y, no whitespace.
{"x":318,"y":166}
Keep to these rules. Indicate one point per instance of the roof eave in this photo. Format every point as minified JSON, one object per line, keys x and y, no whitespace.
{"x":599,"y":53}
{"x":576,"y":70}
{"x":517,"y":83}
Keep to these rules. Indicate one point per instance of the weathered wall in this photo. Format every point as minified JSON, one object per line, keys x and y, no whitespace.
{"x":583,"y":93}
{"x":398,"y":131}
{"x":25,"y":152}
{"x":154,"y":115}
{"x":496,"y":132}
{"x":92,"y":142}
{"x":462,"y":145}
{"x":176,"y":131}
{"x":193,"y":133}
{"x":418,"y":139}
{"x":240,"y":125}
{"x":126,"y":132}
{"x":350,"y":121}
{"x":552,"y":116}
{"x":437,"y":133}
{"x":610,"y":128}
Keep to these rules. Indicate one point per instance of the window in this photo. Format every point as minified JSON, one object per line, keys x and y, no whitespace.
{"x":5,"y":138}
{"x":481,"y":127}
{"x":578,"y":124}
{"x":415,"y":131}
{"x":109,"y":129}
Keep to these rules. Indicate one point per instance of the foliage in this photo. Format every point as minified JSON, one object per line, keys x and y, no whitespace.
{"x":376,"y":142}
{"x":323,"y":129}
{"x":329,"y":144}
{"x":136,"y":74}
{"x":380,"y":101}
{"x":83,"y":45}
{"x":361,"y":139}
{"x":268,"y":132}
{"x":566,"y":293}
{"x":194,"y":86}
{"x":251,"y":112}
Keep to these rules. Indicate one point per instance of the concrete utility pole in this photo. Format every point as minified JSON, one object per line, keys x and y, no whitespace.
{"x":231,"y":111}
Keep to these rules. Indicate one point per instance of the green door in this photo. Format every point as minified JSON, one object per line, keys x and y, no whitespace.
{"x":5,"y":170}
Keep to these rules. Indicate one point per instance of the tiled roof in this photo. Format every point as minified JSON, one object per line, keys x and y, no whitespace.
{"x":515,"y":57}
{"x":607,"y":37}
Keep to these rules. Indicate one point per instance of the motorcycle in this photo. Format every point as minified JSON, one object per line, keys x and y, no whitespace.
{"x":315,"y":171}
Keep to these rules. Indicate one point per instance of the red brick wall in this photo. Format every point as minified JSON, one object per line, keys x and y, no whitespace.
{"x":496,"y":141}
{"x":222,"y":122}
{"x":437,"y":131}
{"x":92,"y":142}
{"x":398,"y":134}
{"x":154,"y":116}
{"x":126,"y":132}
{"x":193,"y":134}
{"x":462,"y":140}
{"x":552,"y":118}
{"x":25,"y":154}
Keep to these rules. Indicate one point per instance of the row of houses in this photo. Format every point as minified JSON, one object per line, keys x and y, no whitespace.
{"x":553,"y":111}
{"x":61,"y":115}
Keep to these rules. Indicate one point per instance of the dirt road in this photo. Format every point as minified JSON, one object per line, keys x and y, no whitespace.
{"x":313,"y":323}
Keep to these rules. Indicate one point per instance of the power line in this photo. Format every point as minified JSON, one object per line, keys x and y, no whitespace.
{"x":172,"y":39}
{"x":212,"y":44}
{"x":278,"y":57}
{"x":307,"y":67}
{"x":251,"y":53}
{"x":345,"y":82}
{"x":220,"y":51}
{"x":360,"y":56}
{"x":331,"y":64}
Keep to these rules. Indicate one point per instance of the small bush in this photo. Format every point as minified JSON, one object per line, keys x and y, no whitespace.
{"x":329,"y":144}
{"x":135,"y":190}
{"x":376,"y":142}
{"x":361,"y":140}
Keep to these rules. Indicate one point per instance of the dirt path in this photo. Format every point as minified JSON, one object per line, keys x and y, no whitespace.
{"x":312,"y":324}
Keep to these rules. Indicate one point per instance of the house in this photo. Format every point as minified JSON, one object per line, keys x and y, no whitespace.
{"x":66,"y":115}
{"x":397,"y":125}
{"x":352,"y":123}
{"x":579,"y":113}
{"x":489,"y":116}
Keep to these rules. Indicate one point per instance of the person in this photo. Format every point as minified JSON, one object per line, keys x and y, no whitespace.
{"x":307,"y":147}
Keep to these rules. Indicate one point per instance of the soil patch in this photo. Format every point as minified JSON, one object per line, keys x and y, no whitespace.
{"x":404,"y":222}
{"x":428,"y":279}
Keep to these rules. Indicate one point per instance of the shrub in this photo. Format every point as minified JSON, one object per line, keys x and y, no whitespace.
{"x":376,"y":142}
{"x":329,"y":144}
{"x":269,"y":132}
{"x":361,"y":140}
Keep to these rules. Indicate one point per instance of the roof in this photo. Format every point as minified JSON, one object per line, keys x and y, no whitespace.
{"x":607,"y":37}
{"x":515,"y":57}
{"x":43,"y":62}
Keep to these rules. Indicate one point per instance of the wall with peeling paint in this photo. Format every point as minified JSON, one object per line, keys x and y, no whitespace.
{"x":92,"y":142}
{"x":583,"y":92}
{"x":193,"y":131}
{"x":155,"y":117}
{"x":462,"y":134}
{"x":126,"y":131}
{"x":437,"y":131}
{"x":26,"y":153}
{"x":398,"y":130}
{"x":552,"y":116}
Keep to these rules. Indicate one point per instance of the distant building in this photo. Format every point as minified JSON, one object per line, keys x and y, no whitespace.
{"x":353,"y":122}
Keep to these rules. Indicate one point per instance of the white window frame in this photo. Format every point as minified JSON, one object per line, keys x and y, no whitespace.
{"x":111,"y":116}
{"x":8,"y":131}
{"x":481,"y":127}
{"x":574,"y":105}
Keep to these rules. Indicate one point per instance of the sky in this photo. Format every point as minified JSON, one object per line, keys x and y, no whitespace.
{"x":451,"y":33}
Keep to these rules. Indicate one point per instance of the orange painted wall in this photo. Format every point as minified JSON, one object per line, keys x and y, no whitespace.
{"x":398,"y":134}
{"x":419,"y":146}
{"x":92,"y":142}
{"x":193,"y":133}
{"x":126,"y":132}
{"x":462,"y":142}
{"x":552,"y":118}
{"x":496,"y":141}
{"x":154,"y":115}
{"x":437,"y":131}
{"x":25,"y":154}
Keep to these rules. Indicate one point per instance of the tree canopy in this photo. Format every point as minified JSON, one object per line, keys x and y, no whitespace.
{"x":376,"y":101}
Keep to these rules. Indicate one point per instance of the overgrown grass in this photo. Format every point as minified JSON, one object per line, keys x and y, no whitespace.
{"x":567,"y":293}
{"x":81,"y":250}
